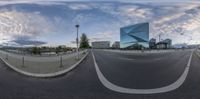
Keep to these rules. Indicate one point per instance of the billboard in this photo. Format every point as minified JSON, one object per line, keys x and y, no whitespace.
{"x":134,"y":36}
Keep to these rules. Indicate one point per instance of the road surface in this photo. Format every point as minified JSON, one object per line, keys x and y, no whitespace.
{"x":132,"y":71}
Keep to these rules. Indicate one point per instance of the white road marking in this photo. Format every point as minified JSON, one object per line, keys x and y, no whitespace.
{"x":168,"y":88}
{"x":133,"y":60}
{"x":130,"y":59}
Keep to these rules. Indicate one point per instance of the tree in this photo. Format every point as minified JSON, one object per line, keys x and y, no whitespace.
{"x":58,"y":49}
{"x":36,"y":50}
{"x":84,"y":43}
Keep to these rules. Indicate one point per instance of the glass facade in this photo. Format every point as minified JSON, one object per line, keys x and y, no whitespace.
{"x":134,"y":36}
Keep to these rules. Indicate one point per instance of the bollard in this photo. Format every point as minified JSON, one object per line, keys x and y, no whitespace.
{"x":6,"y":56}
{"x":23,"y":62}
{"x":61,"y":64}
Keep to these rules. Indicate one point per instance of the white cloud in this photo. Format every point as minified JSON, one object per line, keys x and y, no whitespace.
{"x":135,"y":11}
{"x":79,"y":6}
{"x":102,"y":36}
{"x":40,"y":2}
{"x":14,"y":23}
{"x":167,"y":18}
{"x":81,"y":18}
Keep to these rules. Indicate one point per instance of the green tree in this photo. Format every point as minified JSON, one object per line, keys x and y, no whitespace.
{"x":58,"y":49}
{"x":36,"y":50}
{"x":84,"y":43}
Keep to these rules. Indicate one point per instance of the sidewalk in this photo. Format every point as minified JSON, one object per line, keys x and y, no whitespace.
{"x":42,"y":65}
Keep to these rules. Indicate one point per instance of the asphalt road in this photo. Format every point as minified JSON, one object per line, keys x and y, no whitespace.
{"x":83,"y":82}
{"x":142,"y":71}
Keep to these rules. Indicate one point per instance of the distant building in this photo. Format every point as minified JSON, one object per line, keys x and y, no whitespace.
{"x":165,"y":44}
{"x":161,"y":45}
{"x":193,"y":46}
{"x":183,"y":45}
{"x":169,"y":42}
{"x":116,"y":45}
{"x":101,"y":44}
{"x":152,"y":43}
{"x":134,"y":36}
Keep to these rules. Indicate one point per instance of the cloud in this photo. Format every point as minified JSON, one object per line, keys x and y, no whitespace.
{"x":22,"y":42}
{"x":39,"y":2}
{"x":102,"y":36}
{"x":170,"y":20}
{"x":183,"y":27}
{"x":136,"y":11}
{"x":18,"y":23}
{"x":79,"y":6}
{"x":102,"y":20}
{"x":159,"y":1}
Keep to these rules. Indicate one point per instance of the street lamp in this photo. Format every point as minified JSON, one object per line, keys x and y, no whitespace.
{"x":77,"y":41}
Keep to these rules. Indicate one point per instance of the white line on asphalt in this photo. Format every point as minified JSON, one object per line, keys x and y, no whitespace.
{"x":133,"y":60}
{"x":168,"y":88}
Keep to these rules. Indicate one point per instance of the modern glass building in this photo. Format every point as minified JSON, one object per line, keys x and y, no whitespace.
{"x":134,"y":36}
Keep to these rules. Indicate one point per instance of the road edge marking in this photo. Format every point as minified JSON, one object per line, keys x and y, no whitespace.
{"x":164,"y":89}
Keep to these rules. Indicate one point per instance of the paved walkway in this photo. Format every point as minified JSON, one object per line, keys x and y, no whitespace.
{"x":41,"y":65}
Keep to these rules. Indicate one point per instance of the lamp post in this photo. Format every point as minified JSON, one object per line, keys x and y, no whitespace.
{"x":77,"y":41}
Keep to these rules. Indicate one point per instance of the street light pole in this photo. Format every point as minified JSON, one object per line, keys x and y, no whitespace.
{"x":77,"y":41}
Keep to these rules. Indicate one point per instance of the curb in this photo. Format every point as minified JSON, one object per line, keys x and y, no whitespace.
{"x":48,"y":74}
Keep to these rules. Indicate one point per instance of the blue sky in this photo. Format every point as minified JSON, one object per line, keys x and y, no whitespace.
{"x":53,"y":22}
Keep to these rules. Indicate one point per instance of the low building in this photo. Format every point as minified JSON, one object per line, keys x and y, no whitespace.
{"x":116,"y":45}
{"x":168,"y":42}
{"x":101,"y":44}
{"x":165,"y":44}
{"x":152,"y":43}
{"x":180,"y":46}
{"x":161,"y":45}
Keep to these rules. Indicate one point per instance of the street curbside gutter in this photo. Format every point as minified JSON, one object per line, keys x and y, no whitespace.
{"x":47,"y":75}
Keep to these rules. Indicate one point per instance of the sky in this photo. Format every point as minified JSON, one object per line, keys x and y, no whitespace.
{"x":52,"y":22}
